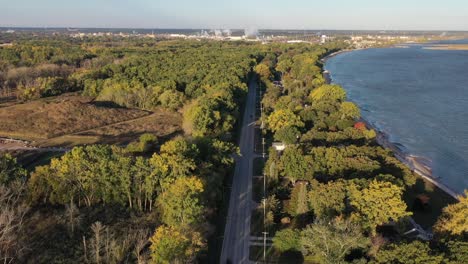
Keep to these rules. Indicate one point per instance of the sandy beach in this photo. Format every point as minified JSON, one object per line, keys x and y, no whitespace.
{"x":448,"y":47}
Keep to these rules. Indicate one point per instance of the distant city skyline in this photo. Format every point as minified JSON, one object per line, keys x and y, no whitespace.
{"x":261,"y":14}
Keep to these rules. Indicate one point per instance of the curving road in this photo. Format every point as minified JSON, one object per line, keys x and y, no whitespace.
{"x":237,"y":231}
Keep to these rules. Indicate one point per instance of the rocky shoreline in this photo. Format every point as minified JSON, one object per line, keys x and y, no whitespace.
{"x":419,"y":165}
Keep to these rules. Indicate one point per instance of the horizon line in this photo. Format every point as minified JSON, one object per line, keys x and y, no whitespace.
{"x":213,"y":28}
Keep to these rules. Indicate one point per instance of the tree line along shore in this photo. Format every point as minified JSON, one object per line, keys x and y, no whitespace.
{"x":333,"y":194}
{"x":412,"y":162}
{"x":137,"y":197}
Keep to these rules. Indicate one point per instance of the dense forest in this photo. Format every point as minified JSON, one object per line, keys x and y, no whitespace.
{"x":151,"y":200}
{"x":333,"y":195}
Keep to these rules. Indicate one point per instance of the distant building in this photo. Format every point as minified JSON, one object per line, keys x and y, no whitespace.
{"x":356,"y":38}
{"x":295,"y":41}
{"x":236,"y":38}
{"x":323,"y":39}
{"x":177,"y":36}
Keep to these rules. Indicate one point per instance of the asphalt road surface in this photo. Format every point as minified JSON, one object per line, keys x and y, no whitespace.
{"x":237,"y":232}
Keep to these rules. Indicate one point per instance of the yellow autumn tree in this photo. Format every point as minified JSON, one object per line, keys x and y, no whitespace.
{"x":181,"y":203}
{"x":349,"y":110}
{"x":263,"y":71}
{"x":283,"y":118}
{"x":328,"y":92}
{"x":377,"y":204}
{"x":454,"y":218}
{"x":172,"y":245}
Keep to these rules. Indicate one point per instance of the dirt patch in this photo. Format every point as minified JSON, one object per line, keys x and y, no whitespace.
{"x":48,"y":118}
{"x":164,"y":124}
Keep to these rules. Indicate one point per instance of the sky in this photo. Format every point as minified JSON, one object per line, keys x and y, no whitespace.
{"x":238,"y":14}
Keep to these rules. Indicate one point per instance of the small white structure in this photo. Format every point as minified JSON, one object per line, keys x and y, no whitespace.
{"x":279,"y":146}
{"x":295,"y":41}
{"x":323,"y":39}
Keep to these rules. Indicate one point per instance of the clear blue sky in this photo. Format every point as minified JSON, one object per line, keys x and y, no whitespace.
{"x":284,"y":14}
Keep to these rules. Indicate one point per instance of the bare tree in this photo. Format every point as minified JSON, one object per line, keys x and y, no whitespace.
{"x":118,"y":247}
{"x":85,"y":250}
{"x":12,"y":212}
{"x":72,"y":217}
{"x":106,"y":246}
{"x":96,"y":245}
{"x":141,"y":240}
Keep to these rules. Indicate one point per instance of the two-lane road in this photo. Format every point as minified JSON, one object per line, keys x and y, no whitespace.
{"x":237,"y":232}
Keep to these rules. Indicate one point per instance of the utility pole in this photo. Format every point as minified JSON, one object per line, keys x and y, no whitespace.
{"x":264,"y":214}
{"x":264,"y":246}
{"x":263,"y":148}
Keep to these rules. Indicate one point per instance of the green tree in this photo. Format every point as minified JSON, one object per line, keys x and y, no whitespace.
{"x":207,"y":116}
{"x":288,"y":135}
{"x":220,"y":152}
{"x":171,"y":99}
{"x":328,"y":200}
{"x":295,"y":166}
{"x":377,"y":204}
{"x":416,"y":252}
{"x":287,"y":240}
{"x":10,"y":170}
{"x":331,"y":242}
{"x":146,"y":142}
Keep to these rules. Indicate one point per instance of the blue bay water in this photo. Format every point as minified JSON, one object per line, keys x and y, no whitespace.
{"x":419,"y":97}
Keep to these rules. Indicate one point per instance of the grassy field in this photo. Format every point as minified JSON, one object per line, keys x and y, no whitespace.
{"x":71,"y":120}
